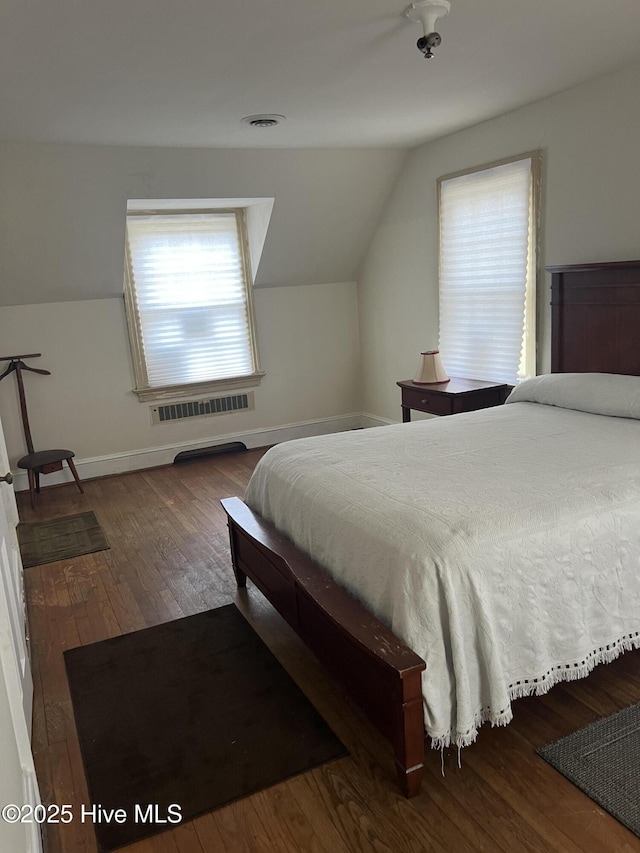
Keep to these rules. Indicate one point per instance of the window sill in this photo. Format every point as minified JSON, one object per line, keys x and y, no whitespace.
{"x":193,"y":389}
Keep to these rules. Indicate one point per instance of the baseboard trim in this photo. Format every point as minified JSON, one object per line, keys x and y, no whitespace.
{"x":369,"y":420}
{"x":153,"y":457}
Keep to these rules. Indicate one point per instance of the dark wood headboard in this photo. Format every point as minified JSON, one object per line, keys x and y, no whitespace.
{"x":595,"y":316}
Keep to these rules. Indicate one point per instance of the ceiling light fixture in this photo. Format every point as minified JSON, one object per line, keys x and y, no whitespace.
{"x":427,"y":12}
{"x":263,"y":121}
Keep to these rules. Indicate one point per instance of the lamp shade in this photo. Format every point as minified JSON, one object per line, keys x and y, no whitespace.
{"x":430,"y":369}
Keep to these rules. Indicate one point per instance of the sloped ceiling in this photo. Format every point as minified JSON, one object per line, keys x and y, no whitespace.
{"x":344,"y":72}
{"x":63,"y":209}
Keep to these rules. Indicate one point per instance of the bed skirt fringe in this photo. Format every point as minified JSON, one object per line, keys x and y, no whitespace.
{"x":536,"y":687}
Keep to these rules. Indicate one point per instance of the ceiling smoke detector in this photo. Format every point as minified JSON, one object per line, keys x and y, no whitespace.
{"x":263,"y":121}
{"x":427,"y":12}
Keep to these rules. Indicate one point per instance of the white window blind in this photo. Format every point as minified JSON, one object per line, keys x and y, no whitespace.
{"x":188,"y":283}
{"x":487,"y":273}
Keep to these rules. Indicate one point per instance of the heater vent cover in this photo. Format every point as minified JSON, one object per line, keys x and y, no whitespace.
{"x":202,"y":408}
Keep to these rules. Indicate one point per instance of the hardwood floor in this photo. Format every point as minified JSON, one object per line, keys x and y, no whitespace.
{"x":169,"y":558}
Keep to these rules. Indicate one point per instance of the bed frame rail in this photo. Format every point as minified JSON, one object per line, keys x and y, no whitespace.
{"x":383,"y":676}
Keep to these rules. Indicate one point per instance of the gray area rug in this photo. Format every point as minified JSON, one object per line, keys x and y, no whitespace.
{"x":603,"y":760}
{"x":60,"y":538}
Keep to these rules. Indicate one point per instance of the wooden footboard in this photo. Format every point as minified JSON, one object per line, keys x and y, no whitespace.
{"x":378,"y":671}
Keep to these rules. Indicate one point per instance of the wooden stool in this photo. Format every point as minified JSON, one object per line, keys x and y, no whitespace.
{"x":46,"y":462}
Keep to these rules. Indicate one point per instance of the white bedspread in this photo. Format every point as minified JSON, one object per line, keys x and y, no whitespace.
{"x":502,"y":546}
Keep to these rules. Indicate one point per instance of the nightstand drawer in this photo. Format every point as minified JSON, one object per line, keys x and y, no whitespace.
{"x":427,"y":401}
{"x":451,"y":398}
{"x":481,"y":400}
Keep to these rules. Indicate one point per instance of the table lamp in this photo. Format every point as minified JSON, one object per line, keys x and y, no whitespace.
{"x":430,"y":369}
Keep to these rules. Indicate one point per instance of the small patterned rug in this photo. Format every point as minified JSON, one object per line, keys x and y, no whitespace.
{"x":603,"y":760}
{"x":60,"y":538}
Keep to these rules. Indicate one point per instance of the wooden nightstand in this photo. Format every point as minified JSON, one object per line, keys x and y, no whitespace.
{"x":452,"y":397}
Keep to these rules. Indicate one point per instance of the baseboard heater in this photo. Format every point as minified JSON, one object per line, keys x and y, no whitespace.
{"x":203,"y":452}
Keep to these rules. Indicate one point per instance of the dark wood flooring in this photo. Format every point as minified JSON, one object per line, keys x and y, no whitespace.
{"x":169,"y":558}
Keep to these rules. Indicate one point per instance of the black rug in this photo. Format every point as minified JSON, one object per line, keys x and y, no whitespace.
{"x":195,"y":713}
{"x":60,"y":538}
{"x":603,"y":760}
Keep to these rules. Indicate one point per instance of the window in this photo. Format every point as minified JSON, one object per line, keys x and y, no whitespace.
{"x":188,"y":299}
{"x":488,"y":237}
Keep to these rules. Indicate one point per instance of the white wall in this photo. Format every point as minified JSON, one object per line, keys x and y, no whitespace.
{"x":308,"y":340}
{"x":62,"y":221}
{"x":590,"y":137}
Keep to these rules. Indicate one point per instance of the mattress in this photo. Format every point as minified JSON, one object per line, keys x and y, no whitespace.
{"x":502,"y":546}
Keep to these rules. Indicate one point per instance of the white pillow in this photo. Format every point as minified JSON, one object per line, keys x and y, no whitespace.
{"x":600,"y":393}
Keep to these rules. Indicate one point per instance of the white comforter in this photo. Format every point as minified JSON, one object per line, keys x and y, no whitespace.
{"x":502,"y":546}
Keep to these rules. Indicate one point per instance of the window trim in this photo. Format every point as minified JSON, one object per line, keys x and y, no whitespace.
{"x":142,"y":388}
{"x":537,"y":162}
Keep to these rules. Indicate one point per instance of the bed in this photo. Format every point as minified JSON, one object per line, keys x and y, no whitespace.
{"x":467,"y":588}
